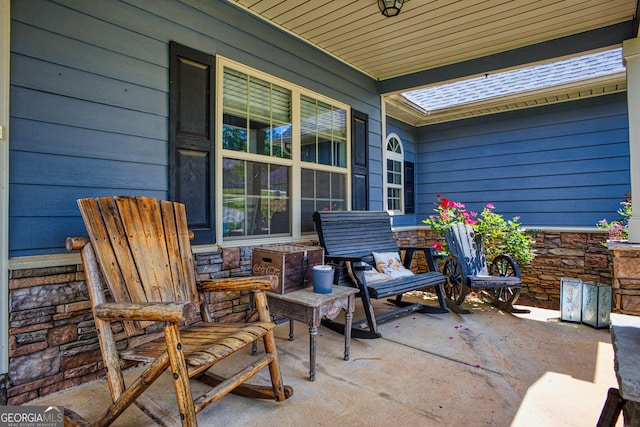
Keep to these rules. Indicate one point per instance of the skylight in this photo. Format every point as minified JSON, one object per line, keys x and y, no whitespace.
{"x":524,"y":79}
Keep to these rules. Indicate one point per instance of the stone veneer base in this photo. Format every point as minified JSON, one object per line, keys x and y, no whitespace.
{"x":626,"y":277}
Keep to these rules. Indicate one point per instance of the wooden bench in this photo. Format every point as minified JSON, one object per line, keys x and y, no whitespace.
{"x":349,"y":239}
{"x":466,"y":268}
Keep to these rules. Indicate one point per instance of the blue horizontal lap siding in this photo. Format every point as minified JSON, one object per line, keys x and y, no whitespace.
{"x":52,"y":138}
{"x":560,"y":165}
{"x":89,"y":99}
{"x":89,"y":106}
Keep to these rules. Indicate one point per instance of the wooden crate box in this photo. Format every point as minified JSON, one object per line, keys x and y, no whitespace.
{"x":292,"y":264}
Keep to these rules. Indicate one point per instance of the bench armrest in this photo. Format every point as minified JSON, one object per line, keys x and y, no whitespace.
{"x":426,"y":249}
{"x":344,"y":258}
{"x":361,"y":266}
{"x":429,"y":253}
{"x":154,"y":311}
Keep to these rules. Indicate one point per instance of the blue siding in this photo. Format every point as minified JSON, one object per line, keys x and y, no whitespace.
{"x":89,"y":99}
{"x":560,"y":165}
{"x":89,"y":117}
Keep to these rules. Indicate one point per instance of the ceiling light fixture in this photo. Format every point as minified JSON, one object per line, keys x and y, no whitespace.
{"x":390,"y":7}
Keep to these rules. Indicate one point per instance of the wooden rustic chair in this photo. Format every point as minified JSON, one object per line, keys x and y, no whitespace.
{"x":140,"y":249}
{"x":466,"y":268}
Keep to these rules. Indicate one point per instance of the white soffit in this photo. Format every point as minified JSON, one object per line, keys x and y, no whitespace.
{"x":588,"y":75}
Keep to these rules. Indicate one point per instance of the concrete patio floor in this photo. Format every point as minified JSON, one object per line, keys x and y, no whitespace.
{"x":486,"y":368}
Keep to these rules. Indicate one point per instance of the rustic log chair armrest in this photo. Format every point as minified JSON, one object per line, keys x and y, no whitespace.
{"x":153,"y":311}
{"x":253,"y":283}
{"x":76,"y":243}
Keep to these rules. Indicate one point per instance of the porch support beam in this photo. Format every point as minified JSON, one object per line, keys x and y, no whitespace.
{"x":5,"y":23}
{"x":631,"y":54}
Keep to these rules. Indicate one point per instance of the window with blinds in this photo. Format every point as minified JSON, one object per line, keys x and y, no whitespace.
{"x":323,"y":142}
{"x":256,"y":115}
{"x":285,"y":155}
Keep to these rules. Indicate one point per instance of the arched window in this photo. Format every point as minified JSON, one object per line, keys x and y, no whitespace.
{"x":394,"y":155}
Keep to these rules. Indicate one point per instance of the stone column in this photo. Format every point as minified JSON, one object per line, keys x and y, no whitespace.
{"x":626,"y":277}
{"x":631,"y":54}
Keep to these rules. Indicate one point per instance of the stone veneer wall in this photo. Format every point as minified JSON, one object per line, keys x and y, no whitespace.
{"x":4,"y":379}
{"x":626,"y":282}
{"x":52,"y":337}
{"x":558,"y":254}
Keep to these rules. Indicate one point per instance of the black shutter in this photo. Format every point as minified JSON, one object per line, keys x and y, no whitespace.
{"x":191,"y":137}
{"x":409,"y":194}
{"x":359,"y":161}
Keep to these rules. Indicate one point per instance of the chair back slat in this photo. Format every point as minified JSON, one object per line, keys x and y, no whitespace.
{"x":143,"y":249}
{"x":106,"y":248}
{"x":179,"y":250}
{"x":463,"y":245}
{"x":145,"y":235}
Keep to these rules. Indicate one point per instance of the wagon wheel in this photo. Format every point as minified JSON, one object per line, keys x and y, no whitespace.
{"x":504,"y":265}
{"x":455,"y":288}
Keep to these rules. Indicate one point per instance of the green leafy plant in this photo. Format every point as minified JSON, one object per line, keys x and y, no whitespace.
{"x":498,"y":235}
{"x":618,"y":230}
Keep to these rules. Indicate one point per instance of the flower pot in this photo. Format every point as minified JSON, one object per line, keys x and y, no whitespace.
{"x":322,"y":276}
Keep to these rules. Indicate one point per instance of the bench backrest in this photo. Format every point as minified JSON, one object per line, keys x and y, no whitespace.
{"x":356,"y":233}
{"x":464,"y":245}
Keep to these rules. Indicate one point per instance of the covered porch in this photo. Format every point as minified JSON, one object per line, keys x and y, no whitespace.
{"x":93,"y":117}
{"x":487,"y":368}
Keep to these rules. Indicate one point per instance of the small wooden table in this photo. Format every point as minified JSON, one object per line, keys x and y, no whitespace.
{"x":310,"y":307}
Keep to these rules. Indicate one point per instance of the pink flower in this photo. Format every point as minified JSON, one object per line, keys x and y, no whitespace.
{"x":437,"y":246}
{"x":490,"y":206}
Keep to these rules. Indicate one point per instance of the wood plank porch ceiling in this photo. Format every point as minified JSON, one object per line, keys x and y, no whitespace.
{"x":433,"y":33}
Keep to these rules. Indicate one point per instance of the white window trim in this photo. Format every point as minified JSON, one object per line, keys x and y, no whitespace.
{"x":295,"y":163}
{"x":399,"y":157}
{"x":5,"y":41}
